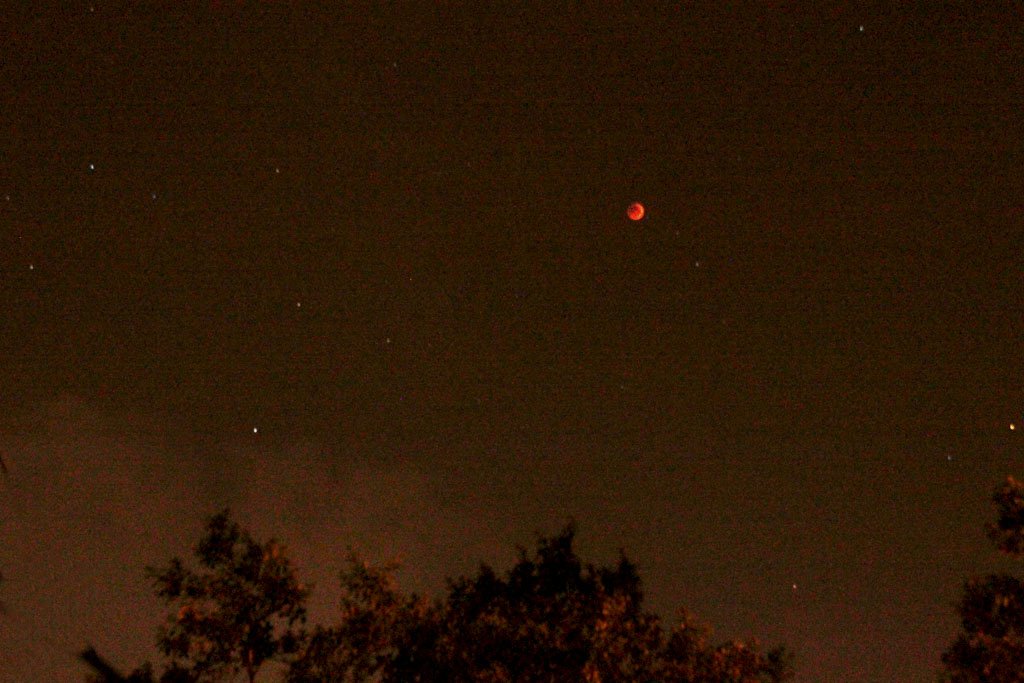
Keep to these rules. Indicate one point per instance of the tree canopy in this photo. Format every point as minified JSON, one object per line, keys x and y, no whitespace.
{"x":990,"y":647}
{"x":243,"y":606}
{"x":550,"y":618}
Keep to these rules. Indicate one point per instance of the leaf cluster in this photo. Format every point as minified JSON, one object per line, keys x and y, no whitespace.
{"x":243,"y":606}
{"x":990,"y":646}
{"x":551,"y":618}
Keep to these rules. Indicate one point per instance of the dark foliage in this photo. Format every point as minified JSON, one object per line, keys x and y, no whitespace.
{"x":990,"y":647}
{"x":550,"y":619}
{"x":243,"y":606}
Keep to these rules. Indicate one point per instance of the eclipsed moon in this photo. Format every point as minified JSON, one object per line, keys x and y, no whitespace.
{"x":635,"y":211}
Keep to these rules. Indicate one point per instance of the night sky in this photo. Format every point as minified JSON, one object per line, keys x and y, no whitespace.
{"x":366,"y":275}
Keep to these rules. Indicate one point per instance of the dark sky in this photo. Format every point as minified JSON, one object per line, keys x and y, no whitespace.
{"x":366,"y":275}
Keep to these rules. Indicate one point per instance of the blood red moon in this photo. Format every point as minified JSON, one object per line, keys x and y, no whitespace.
{"x":635,"y":211}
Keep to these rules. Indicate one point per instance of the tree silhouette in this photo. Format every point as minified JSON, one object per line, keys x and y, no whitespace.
{"x":243,"y":607}
{"x":990,"y":648}
{"x":378,"y":626}
{"x":550,"y":619}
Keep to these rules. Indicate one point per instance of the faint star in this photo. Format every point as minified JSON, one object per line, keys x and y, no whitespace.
{"x":277,"y":170}
{"x":298,"y":304}
{"x":32,"y":267}
{"x":254,"y":430}
{"x":1012,"y":426}
{"x":92,"y":167}
{"x":153,"y":195}
{"x":862,"y":28}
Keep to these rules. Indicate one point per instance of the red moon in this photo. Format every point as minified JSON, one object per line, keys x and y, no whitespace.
{"x":635,"y":211}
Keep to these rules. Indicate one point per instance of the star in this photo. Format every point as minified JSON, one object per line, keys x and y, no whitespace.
{"x":255,"y":430}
